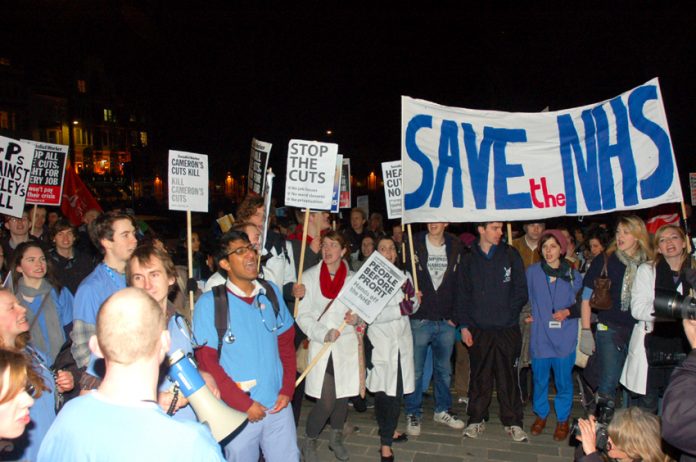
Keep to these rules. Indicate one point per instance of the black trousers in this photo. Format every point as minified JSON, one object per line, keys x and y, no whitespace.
{"x":494,"y":357}
{"x":387,"y":410}
{"x":328,"y":407}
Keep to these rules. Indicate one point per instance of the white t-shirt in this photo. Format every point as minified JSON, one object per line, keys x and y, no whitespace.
{"x":437,"y":262}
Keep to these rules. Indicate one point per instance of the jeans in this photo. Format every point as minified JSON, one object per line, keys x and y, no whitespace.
{"x":611,"y":355}
{"x":440,"y":336}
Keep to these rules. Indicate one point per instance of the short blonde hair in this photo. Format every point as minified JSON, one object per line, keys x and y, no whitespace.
{"x":129,"y":325}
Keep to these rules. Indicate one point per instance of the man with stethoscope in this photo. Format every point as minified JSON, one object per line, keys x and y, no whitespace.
{"x":255,"y":365}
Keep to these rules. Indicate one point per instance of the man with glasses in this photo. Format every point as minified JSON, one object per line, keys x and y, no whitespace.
{"x":255,"y":365}
{"x":18,"y":232}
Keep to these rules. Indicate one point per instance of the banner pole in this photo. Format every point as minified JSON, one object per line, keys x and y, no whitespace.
{"x":509,"y":233}
{"x":413,"y":257}
{"x":190,"y":257}
{"x":33,"y":220}
{"x":315,"y":360}
{"x":686,"y":228}
{"x":302,"y":255}
{"x":403,"y":244}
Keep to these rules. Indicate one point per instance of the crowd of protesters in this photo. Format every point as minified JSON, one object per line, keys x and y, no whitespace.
{"x":511,"y":316}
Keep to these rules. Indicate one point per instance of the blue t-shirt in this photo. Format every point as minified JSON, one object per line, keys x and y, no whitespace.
{"x":92,"y":428}
{"x":94,"y":290}
{"x":254,"y":353}
{"x":42,"y":414}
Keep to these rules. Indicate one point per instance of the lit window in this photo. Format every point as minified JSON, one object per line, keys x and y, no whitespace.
{"x":82,"y":86}
{"x":4,"y":120}
{"x":143,"y":138}
{"x":108,"y":115}
{"x":4,"y":61}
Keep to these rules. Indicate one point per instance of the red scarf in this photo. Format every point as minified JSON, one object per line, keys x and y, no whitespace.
{"x":331,"y":287}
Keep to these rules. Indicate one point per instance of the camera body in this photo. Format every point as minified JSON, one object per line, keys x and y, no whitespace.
{"x":604,"y":413}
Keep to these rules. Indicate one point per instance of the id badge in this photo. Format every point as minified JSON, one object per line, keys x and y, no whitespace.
{"x":554,"y":324}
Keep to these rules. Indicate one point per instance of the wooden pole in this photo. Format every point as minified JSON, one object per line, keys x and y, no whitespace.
{"x":315,"y":360}
{"x":688,"y":238}
{"x":509,"y":233}
{"x":190,"y":257}
{"x":33,"y":220}
{"x":413,"y":257}
{"x":302,"y":255}
{"x":403,"y":245}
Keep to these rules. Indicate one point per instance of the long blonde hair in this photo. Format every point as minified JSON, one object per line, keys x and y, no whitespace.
{"x":658,"y":236}
{"x":637,"y":433}
{"x":635,"y":226}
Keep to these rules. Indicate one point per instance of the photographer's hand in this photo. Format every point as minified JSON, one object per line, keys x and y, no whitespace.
{"x":690,"y":331}
{"x":588,"y":435}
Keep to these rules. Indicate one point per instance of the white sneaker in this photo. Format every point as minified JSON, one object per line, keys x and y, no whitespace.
{"x":412,"y":425}
{"x":448,"y":419}
{"x":516,"y":433}
{"x":474,"y":430}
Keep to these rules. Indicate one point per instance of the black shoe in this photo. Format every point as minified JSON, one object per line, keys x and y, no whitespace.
{"x":385,"y":459}
{"x":402,"y":438}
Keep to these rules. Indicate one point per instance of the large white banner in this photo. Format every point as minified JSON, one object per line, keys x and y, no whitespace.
{"x":369,"y":290}
{"x":16,"y":159}
{"x":310,"y":174}
{"x":468,"y":165}
{"x":188,"y":181}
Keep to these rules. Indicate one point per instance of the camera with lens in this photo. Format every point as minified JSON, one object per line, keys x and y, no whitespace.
{"x":604,"y":412}
{"x":671,"y":304}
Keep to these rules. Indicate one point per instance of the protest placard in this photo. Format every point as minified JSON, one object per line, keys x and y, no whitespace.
{"x":344,"y":201}
{"x":310,"y":172}
{"x":475,"y":166}
{"x":391,"y":175}
{"x":363,"y":202}
{"x":47,"y":173}
{"x":335,"y":197}
{"x":16,"y":158}
{"x":258,"y":163}
{"x":369,"y":290}
{"x":188,"y":181}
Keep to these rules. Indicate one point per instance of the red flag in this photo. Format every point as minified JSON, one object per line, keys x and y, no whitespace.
{"x":659,"y":221}
{"x":76,"y":198}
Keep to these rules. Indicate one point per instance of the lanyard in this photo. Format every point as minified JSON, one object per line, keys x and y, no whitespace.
{"x":552,"y":296}
{"x":118,"y":279}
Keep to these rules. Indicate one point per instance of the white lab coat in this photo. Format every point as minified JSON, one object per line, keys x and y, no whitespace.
{"x":390,"y":335}
{"x":344,"y":352}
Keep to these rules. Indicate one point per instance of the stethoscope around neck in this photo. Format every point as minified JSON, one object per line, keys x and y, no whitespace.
{"x":230,"y":338}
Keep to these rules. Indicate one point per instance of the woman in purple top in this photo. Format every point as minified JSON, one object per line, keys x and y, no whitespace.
{"x":553,"y":285}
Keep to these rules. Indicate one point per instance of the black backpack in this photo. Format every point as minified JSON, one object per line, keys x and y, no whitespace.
{"x":221,"y":308}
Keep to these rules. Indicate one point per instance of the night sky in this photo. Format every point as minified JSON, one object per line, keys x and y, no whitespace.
{"x":214,"y":78}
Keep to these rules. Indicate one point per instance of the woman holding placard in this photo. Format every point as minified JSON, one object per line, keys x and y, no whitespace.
{"x":335,"y":378}
{"x":392,"y":372}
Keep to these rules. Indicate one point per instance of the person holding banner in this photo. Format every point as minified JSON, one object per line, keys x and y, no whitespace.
{"x":553,"y":285}
{"x":122,"y":420}
{"x":335,"y":378}
{"x":631,"y":248}
{"x":495,"y":290}
{"x":438,"y":256}
{"x":392,"y":372}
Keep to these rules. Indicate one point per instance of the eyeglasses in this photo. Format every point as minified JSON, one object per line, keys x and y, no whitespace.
{"x":17,"y":220}
{"x":241,"y":251}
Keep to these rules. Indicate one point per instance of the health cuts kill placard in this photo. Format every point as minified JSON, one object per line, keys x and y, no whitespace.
{"x":310,"y":174}
{"x":369,"y":290}
{"x":391,"y":174}
{"x":188,"y":181}
{"x":47,"y":173}
{"x":16,"y":158}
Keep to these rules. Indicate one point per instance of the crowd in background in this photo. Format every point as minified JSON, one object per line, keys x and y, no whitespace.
{"x":519,"y":317}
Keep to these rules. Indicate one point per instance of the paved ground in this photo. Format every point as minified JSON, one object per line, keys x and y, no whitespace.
{"x":438,"y":443}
